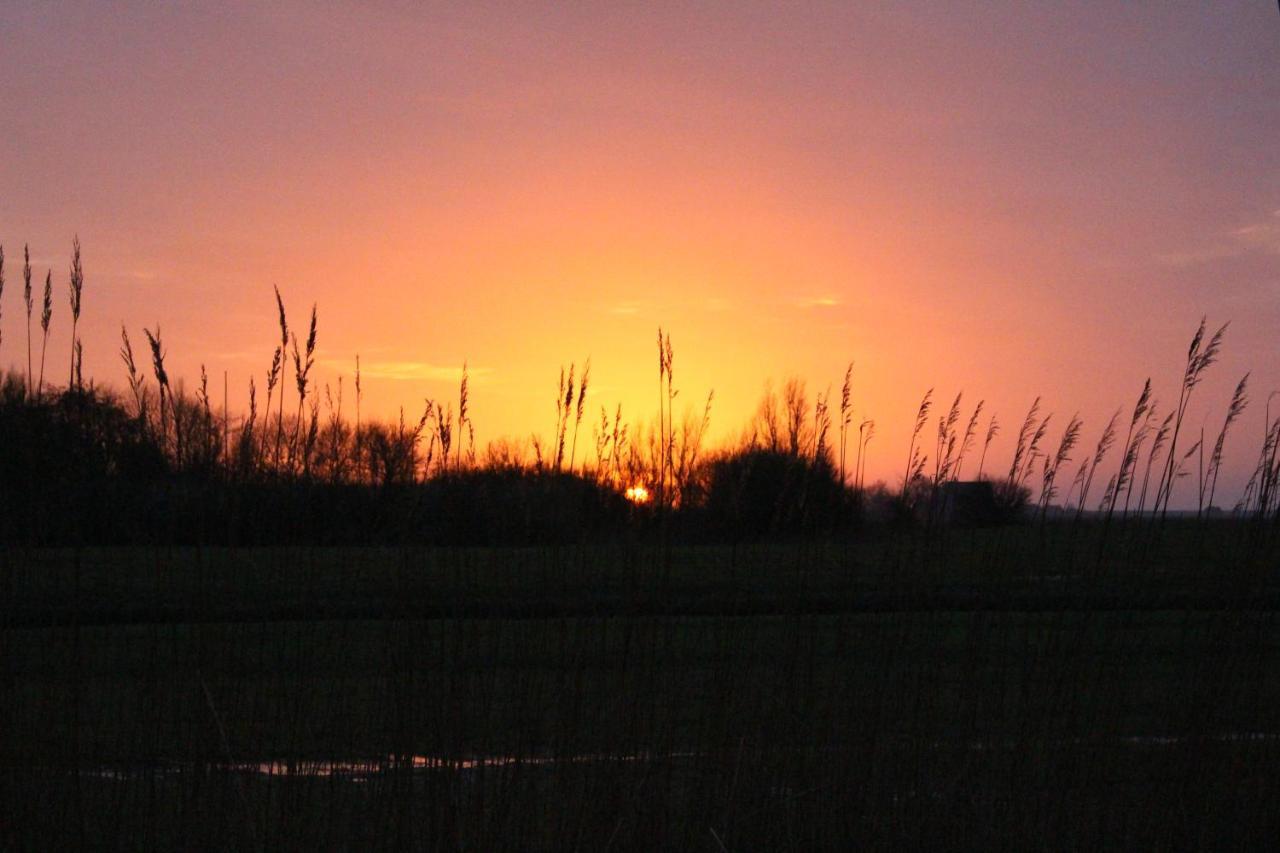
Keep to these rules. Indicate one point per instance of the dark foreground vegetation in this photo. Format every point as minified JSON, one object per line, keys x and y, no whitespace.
{"x":291,"y":629}
{"x":1002,"y":688}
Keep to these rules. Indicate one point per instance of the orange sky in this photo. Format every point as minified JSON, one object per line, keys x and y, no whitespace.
{"x":1040,"y":201}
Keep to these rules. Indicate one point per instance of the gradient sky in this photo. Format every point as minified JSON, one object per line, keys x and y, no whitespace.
{"x":1013,"y":200}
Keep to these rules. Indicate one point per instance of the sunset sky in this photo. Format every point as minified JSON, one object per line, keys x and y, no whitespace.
{"x":1010,"y":200}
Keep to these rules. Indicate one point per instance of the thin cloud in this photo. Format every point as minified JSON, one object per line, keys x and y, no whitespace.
{"x":416,"y":371}
{"x":1261,"y":236}
{"x":819,"y":302}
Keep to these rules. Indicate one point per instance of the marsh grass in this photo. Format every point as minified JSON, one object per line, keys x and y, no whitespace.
{"x":1200,"y":356}
{"x":915,"y":458}
{"x":866,"y":432}
{"x":770,"y":657}
{"x":846,"y":417}
{"x":75,"y":295}
{"x":314,"y":445}
{"x":970,"y":434}
{"x":46,"y":316}
{"x":1239,"y":400}
{"x":1260,"y":494}
{"x":1105,"y":441}
{"x":1139,"y":425}
{"x":1053,"y":464}
{"x":27,"y":302}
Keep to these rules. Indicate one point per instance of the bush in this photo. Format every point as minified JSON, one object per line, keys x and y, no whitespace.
{"x":758,"y":493}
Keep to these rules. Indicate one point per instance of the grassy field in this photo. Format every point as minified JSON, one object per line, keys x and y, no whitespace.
{"x":1009,"y":688}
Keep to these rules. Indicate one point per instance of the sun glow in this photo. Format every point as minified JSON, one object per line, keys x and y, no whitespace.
{"x":638,"y":494}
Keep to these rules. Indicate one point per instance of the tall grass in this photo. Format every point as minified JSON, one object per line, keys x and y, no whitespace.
{"x":664,"y":367}
{"x":1100,"y":451}
{"x":580,"y":410}
{"x":821,"y":423}
{"x":1239,"y":400}
{"x":1200,"y":356}
{"x":966,"y":443}
{"x":993,"y":429}
{"x":915,"y":459}
{"x":162,"y":386}
{"x":1157,"y":444}
{"x":846,"y":416}
{"x":46,"y":315}
{"x":672,"y":393}
{"x":866,"y":432}
{"x":1027,"y":447}
{"x":1260,"y":493}
{"x":27,"y":301}
{"x":1054,"y":463}
{"x":464,"y":414}
{"x":75,"y":296}
{"x":281,"y":350}
{"x":136,"y":380}
{"x":1136,"y":434}
{"x":311,"y":439}
{"x":611,"y":439}
{"x":945,"y":449}
{"x":302,"y":364}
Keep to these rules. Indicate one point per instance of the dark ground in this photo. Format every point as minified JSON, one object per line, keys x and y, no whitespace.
{"x":1001,"y":689}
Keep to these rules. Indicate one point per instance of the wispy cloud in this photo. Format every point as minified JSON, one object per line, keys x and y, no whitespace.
{"x":1263,"y":236}
{"x":418,"y":371}
{"x":818,"y":302}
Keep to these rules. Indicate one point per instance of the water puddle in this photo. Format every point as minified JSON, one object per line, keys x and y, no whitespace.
{"x":363,"y":770}
{"x":367,"y":769}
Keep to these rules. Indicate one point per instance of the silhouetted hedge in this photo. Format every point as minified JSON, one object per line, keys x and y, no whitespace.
{"x":76,"y":468}
{"x":760,"y":494}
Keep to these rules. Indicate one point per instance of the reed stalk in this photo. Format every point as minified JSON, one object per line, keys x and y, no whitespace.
{"x":1105,"y":441}
{"x":46,"y":315}
{"x":27,"y":300}
{"x":846,"y":415}
{"x":1052,"y":464}
{"x":581,"y":410}
{"x":915,"y":463}
{"x":1129,"y":459}
{"x":1239,"y":401}
{"x":76,"y":292}
{"x":1200,"y":356}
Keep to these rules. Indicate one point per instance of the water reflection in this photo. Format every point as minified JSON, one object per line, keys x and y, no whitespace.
{"x":365,"y":769}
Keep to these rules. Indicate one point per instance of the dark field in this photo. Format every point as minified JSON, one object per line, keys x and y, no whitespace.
{"x":1012,"y":688}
